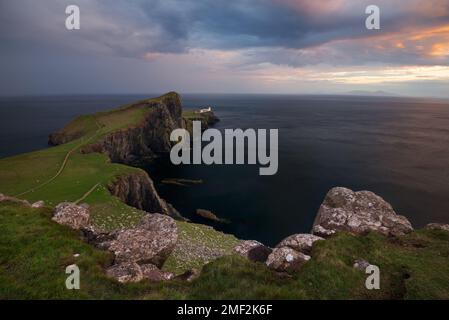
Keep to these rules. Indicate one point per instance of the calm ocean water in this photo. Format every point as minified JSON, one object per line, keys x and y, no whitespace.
{"x":397,"y":148}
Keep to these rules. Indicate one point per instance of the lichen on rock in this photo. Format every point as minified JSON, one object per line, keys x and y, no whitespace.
{"x":358,"y":213}
{"x":72,"y":215}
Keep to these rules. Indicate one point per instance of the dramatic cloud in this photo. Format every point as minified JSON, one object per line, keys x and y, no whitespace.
{"x":240,"y":39}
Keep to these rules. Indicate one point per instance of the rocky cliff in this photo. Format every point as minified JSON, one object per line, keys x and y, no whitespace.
{"x":125,"y":143}
{"x":137,"y":190}
{"x":146,"y":139}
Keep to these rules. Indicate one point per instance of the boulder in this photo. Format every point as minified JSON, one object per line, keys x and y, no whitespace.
{"x":253,"y":250}
{"x":437,"y":226}
{"x":286,"y":260}
{"x":38,"y":204}
{"x":300,"y":242}
{"x":72,"y":215}
{"x":150,"y":242}
{"x":358,"y":213}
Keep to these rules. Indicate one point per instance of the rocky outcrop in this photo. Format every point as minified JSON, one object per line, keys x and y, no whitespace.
{"x":437,"y":226}
{"x":150,"y":242}
{"x":146,"y":140}
{"x":137,"y":190}
{"x":72,"y":215}
{"x":299,"y":242}
{"x":286,"y":260}
{"x":253,"y":250}
{"x":143,"y":140}
{"x":358,"y":213}
{"x":139,"y":252}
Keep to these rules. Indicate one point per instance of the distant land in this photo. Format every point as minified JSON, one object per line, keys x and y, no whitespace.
{"x":372,"y":93}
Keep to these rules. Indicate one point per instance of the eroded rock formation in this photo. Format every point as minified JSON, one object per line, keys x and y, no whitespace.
{"x":137,"y":190}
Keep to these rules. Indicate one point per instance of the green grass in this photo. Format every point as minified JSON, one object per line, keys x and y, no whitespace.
{"x":34,"y":176}
{"x":34,"y":252}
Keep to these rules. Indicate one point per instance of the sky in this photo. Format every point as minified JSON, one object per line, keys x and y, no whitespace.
{"x":224,"y":46}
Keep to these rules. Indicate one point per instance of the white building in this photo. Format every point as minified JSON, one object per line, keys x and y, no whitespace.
{"x":206,"y":110}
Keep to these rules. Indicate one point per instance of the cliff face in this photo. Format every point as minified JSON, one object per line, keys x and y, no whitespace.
{"x":146,"y":139}
{"x":138,"y":190}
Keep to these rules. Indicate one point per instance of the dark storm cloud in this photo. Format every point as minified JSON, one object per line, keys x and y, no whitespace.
{"x":239,"y":38}
{"x":134,"y":28}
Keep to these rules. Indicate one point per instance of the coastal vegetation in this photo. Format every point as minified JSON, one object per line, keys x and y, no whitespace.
{"x":34,"y":252}
{"x":90,"y":164}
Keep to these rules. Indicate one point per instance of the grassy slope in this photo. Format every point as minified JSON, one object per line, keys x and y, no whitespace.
{"x":34,"y":252}
{"x":33,"y":176}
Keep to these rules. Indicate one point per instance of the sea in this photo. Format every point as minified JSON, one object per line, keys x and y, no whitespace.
{"x":396,"y":147}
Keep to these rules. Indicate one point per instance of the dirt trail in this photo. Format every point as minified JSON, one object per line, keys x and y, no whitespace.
{"x":63,"y":165}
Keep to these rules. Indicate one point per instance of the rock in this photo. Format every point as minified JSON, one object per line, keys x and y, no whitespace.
{"x":209,"y":215}
{"x":133,"y":272}
{"x":253,"y":250}
{"x":137,"y":190}
{"x":72,"y":215}
{"x":321,"y":232}
{"x":153,"y":273}
{"x":437,"y":226}
{"x":151,"y":241}
{"x":358,"y":213}
{"x":361,"y":264}
{"x":38,"y":204}
{"x":286,"y":260}
{"x":190,"y":275}
{"x":125,"y":272}
{"x":300,"y":242}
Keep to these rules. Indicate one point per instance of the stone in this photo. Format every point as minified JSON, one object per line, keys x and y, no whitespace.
{"x":286,"y":260}
{"x":153,"y":273}
{"x":358,"y":213}
{"x":300,"y":242}
{"x":132,"y":272}
{"x":150,"y":242}
{"x":361,"y":264}
{"x":253,"y":250}
{"x":125,"y":272}
{"x":38,"y":204}
{"x":437,"y":226}
{"x":72,"y":215}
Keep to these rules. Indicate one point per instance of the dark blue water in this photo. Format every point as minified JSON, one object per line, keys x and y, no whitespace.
{"x":394,"y":147}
